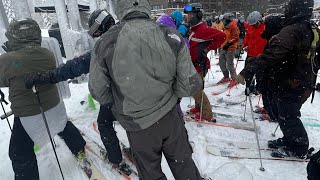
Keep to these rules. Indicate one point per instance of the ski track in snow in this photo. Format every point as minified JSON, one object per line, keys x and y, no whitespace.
{"x":83,"y":117}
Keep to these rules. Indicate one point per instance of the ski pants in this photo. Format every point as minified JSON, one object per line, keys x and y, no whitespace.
{"x":226,"y":63}
{"x":168,"y":136}
{"x":22,"y":155}
{"x":108,"y":134}
{"x":206,"y":107}
{"x":287,"y":111}
{"x":238,"y":51}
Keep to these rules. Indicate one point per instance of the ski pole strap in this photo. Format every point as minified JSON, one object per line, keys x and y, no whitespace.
{"x":2,"y":98}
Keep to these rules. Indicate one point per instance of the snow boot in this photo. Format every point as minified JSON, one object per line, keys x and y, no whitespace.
{"x":277,"y":143}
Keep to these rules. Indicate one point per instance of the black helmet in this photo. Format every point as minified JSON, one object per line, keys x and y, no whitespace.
{"x":197,"y":11}
{"x":100,"y":21}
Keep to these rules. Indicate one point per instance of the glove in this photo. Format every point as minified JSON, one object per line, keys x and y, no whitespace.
{"x":33,"y":79}
{"x":240,"y":79}
{"x":226,"y":46}
{"x":6,"y":46}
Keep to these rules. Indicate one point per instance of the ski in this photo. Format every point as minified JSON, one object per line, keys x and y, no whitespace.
{"x":101,"y":153}
{"x":247,"y":127}
{"x":86,"y":164}
{"x":237,"y":144}
{"x":237,"y":153}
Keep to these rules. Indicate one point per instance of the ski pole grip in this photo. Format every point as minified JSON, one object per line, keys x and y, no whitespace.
{"x":34,"y":89}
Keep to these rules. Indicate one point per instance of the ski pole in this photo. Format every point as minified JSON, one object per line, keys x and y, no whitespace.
{"x":255,"y":130}
{"x":274,"y":133}
{"x":245,"y":110}
{"x":47,"y":127}
{"x":4,"y":111}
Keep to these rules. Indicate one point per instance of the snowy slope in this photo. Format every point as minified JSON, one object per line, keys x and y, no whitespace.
{"x":83,"y":117}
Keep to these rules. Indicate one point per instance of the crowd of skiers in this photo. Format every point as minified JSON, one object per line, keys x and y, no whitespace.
{"x":168,"y":59}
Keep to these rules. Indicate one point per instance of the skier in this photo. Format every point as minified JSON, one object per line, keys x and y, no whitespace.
{"x":143,"y":68}
{"x":273,"y":25}
{"x":78,"y":66}
{"x":25,"y":55}
{"x":202,"y":39}
{"x":253,"y":41}
{"x":291,"y":53}
{"x":228,"y":48}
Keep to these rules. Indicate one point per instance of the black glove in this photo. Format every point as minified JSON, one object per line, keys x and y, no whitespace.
{"x":6,"y":47}
{"x":33,"y":79}
{"x":226,"y":46}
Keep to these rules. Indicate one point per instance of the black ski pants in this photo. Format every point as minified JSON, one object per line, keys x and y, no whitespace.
{"x":287,"y":110}
{"x":168,"y":136}
{"x":108,"y":134}
{"x":22,"y":155}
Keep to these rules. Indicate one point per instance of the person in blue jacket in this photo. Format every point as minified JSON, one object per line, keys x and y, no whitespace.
{"x":178,"y":20}
{"x":99,"y":22}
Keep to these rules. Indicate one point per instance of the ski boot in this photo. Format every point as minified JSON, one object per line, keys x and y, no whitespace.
{"x":197,"y":117}
{"x":274,"y":144}
{"x":224,"y":80}
{"x":281,"y":152}
{"x":284,"y":152}
{"x":123,"y":167}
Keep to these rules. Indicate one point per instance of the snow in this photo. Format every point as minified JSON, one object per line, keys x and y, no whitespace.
{"x":83,"y":117}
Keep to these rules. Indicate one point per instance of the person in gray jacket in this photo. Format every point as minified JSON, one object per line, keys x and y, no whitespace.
{"x":143,"y":68}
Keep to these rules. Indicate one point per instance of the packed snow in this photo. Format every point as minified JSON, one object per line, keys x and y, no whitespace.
{"x":83,"y":116}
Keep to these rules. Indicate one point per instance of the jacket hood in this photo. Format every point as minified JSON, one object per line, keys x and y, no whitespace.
{"x":124,"y":7}
{"x":166,"y":20}
{"x":22,"y":33}
{"x":178,"y":17}
{"x":299,"y":8}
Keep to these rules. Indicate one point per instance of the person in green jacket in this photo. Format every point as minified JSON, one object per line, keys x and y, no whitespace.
{"x":25,"y":55}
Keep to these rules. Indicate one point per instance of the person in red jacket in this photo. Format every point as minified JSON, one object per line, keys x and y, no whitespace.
{"x":253,"y":40}
{"x":202,"y":39}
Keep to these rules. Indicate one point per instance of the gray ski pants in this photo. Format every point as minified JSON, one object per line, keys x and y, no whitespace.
{"x":226,"y":63}
{"x":168,"y":136}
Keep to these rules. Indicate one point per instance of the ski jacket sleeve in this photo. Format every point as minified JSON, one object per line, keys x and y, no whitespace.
{"x":183,"y":30}
{"x":280,"y":47}
{"x":188,"y":81}
{"x":234,"y":33}
{"x":72,"y":68}
{"x":217,"y":38}
{"x":4,"y":82}
{"x":100,"y":81}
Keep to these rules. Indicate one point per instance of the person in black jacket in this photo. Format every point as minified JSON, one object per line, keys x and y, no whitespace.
{"x":291,"y":56}
{"x":78,"y":66}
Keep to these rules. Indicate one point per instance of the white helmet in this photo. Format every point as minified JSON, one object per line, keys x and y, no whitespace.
{"x":254,"y":17}
{"x":220,"y":17}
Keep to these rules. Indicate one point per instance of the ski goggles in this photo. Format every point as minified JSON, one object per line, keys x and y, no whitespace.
{"x":98,"y":22}
{"x":187,"y":9}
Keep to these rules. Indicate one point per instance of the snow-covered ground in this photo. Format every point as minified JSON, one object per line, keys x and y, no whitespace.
{"x":83,"y":118}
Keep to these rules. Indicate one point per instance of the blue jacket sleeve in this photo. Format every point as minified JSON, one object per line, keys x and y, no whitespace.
{"x":72,"y":68}
{"x":183,"y":30}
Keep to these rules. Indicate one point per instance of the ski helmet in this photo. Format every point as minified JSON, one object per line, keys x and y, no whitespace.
{"x":197,"y":13}
{"x":254,"y":17}
{"x":227,"y":19}
{"x":99,"y":22}
{"x":220,"y":17}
